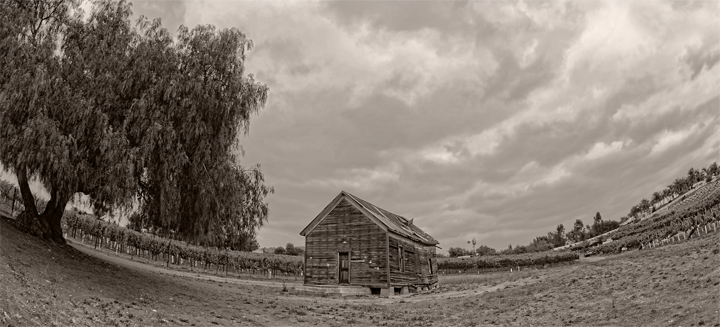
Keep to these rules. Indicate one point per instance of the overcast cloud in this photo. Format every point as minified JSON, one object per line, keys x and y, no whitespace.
{"x":493,"y":120}
{"x":479,"y":119}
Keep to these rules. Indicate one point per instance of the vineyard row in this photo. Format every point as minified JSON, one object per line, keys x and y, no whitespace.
{"x":667,"y":226}
{"x":102,"y":234}
{"x":99,"y":233}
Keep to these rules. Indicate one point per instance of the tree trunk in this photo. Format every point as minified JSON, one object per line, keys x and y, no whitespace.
{"x":27,"y":197}
{"x":45,"y":225}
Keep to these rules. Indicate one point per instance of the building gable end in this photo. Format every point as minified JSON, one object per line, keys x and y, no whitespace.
{"x":331,"y":206}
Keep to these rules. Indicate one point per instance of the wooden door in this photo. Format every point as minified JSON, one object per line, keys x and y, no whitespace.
{"x":344,"y":271}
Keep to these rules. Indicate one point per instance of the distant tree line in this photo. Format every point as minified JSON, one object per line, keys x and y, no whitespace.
{"x":553,"y":239}
{"x":581,"y":232}
{"x":290,"y":249}
{"x":674,"y":190}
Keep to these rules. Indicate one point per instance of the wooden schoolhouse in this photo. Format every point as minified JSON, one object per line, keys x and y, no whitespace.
{"x":356,"y":243}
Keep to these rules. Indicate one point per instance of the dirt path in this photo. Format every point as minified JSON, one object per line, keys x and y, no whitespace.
{"x":596,"y":258}
{"x":411,"y":298}
{"x":132,"y":264}
{"x":431,"y":297}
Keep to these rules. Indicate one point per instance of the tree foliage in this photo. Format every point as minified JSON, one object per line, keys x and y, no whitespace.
{"x":485,"y":250}
{"x":458,"y":252}
{"x":194,"y":188}
{"x":58,"y":110}
{"x":291,"y":249}
{"x":578,"y":233}
{"x":677,"y":188}
{"x":126,"y":114}
{"x":557,"y":237}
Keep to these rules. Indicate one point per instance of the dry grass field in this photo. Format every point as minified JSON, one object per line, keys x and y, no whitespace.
{"x":46,"y":285}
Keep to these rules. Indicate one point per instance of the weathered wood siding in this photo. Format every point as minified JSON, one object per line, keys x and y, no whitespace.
{"x":417,"y":267}
{"x":427,"y":257}
{"x":365,"y":240}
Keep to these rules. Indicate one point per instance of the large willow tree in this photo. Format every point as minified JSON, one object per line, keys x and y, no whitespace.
{"x":128,"y":114}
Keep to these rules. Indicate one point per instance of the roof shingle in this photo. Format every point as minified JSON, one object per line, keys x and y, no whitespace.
{"x":397,"y":223}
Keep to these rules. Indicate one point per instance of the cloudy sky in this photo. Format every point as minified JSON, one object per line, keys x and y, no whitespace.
{"x":487,"y":120}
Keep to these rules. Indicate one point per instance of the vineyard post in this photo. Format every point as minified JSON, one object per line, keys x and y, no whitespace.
{"x":96,"y":236}
{"x":204,"y":260}
{"x":168,"y":252}
{"x":77,"y":217}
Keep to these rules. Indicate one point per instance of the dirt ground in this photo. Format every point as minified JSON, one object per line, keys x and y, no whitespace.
{"x":42,"y":284}
{"x":258,"y":278}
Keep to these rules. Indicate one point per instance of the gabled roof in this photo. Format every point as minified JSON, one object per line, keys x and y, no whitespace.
{"x":386,"y":219}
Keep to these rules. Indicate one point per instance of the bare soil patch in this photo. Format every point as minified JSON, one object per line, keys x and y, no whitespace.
{"x":48,"y":285}
{"x":45,"y":285}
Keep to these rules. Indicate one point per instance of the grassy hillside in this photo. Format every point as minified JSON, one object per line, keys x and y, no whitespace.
{"x":683,"y":217}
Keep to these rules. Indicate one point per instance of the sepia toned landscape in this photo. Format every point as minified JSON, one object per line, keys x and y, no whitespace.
{"x":410,"y":163}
